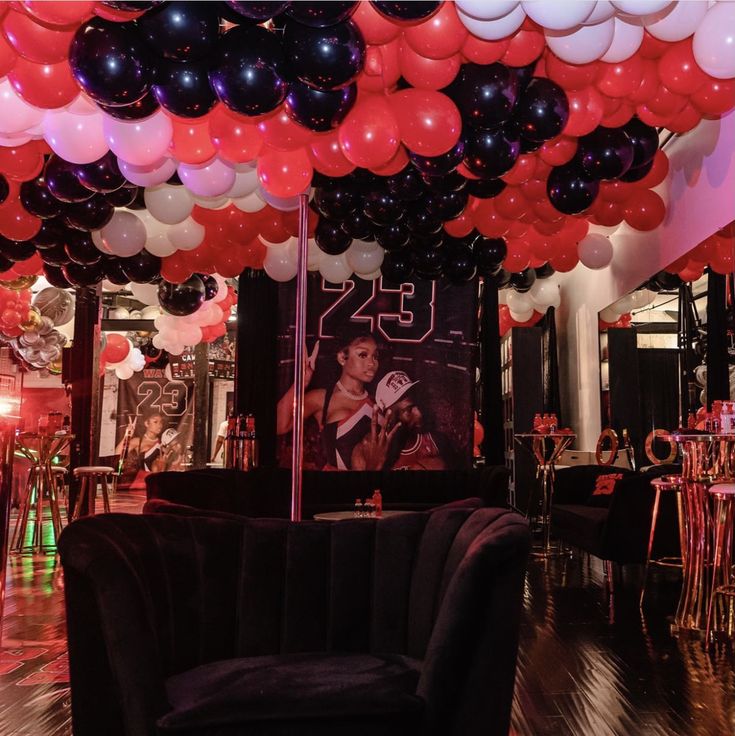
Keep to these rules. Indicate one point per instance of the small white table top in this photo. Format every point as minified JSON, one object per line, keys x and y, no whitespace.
{"x":341,"y":515}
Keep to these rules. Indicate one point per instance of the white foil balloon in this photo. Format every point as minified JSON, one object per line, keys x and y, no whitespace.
{"x":683,"y":20}
{"x":494,"y":30}
{"x":139,"y":142}
{"x":75,"y":138}
{"x":558,"y":16}
{"x":124,"y":235}
{"x":583,"y":45}
{"x":168,"y":204}
{"x":187,"y":235}
{"x":714,"y":42}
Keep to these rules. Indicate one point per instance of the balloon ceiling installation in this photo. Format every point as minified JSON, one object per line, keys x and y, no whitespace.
{"x":163,"y":142}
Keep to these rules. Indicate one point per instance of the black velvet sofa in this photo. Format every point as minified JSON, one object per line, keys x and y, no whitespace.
{"x":614,"y":528}
{"x":266,"y":492}
{"x":256,"y":627}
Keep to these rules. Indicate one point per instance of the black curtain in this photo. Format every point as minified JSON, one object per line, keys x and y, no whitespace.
{"x":256,"y":364}
{"x":658,"y":376}
{"x":550,"y":362}
{"x":718,"y":382}
{"x":492,"y":400}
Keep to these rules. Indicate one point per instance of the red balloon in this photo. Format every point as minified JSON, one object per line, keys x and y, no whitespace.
{"x":586,"y":108}
{"x":651,"y":47}
{"x":648,"y":86}
{"x":396,"y":164}
{"x":565,"y":260}
{"x":201,"y":259}
{"x":545,"y":211}
{"x":47,"y":86}
{"x":518,"y":256}
{"x":424,"y":73}
{"x":117,"y":16}
{"x":606,"y":213}
{"x":622,"y":114}
{"x":488,"y":221}
{"x":645,"y":211}
{"x":651,"y":118}
{"x":678,"y":69}
{"x":369,"y":136}
{"x":174,"y":268}
{"x":715,"y":96}
{"x":429,"y":122}
{"x":68,"y":12}
{"x":438,"y":37}
{"x":479,"y":51}
{"x":116,"y":349}
{"x":665,"y":102}
{"x":32,"y":266}
{"x":284,"y":173}
{"x":16,"y":223}
{"x":191,"y":141}
{"x":558,"y":151}
{"x":375,"y":28}
{"x":465,"y":172}
{"x":685,"y":120}
{"x":271,"y":226}
{"x":327,"y":157}
{"x":382,"y":68}
{"x":36,"y":41}
{"x":517,"y":229}
{"x":621,"y":79}
{"x":236,"y":139}
{"x":511,"y":204}
{"x":525,"y":46}
{"x":21,"y":162}
{"x":460,"y":226}
{"x":523,"y":169}
{"x":7,"y":56}
{"x":570,"y":76}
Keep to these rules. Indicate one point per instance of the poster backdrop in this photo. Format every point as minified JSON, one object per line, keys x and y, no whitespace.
{"x":160,"y":413}
{"x":415,"y":354}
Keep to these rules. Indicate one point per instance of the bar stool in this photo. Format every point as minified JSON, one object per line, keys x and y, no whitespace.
{"x":723,"y":580}
{"x":58,"y":479}
{"x":664,"y":483}
{"x":40,"y":487}
{"x":89,"y":476}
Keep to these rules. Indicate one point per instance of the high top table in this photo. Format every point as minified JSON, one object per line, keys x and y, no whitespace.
{"x":707,"y":458}
{"x":546,"y":449}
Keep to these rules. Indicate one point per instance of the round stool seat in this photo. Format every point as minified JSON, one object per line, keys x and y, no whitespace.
{"x":667,"y":482}
{"x":92,"y":469}
{"x":60,"y":469}
{"x":723,"y":489}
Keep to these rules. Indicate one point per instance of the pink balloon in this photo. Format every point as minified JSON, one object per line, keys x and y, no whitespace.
{"x":148,"y":176}
{"x":78,"y":139}
{"x":139,"y":142}
{"x":207,"y":180}
{"x":17,"y":116}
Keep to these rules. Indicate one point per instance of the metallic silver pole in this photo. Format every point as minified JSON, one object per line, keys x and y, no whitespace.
{"x":297,"y":457}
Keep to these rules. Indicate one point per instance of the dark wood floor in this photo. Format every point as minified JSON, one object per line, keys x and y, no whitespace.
{"x":583,"y":669}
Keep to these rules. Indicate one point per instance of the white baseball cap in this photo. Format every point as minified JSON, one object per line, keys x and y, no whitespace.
{"x":391,"y":388}
{"x":169,"y":436}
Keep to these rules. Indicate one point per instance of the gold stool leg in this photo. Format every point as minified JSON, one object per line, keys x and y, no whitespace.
{"x":105,"y":494}
{"x":80,"y":498}
{"x":652,"y":533}
{"x":720,"y":524}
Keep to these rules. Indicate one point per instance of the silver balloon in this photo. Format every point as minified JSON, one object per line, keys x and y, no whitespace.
{"x":29,"y":338}
{"x":56,"y":304}
{"x":47,"y":325}
{"x":700,"y":375}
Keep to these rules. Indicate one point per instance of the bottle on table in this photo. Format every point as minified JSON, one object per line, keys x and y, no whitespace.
{"x":359,"y":509}
{"x":538,"y":423}
{"x":553,"y":423}
{"x":378,"y":502}
{"x":369,"y":508}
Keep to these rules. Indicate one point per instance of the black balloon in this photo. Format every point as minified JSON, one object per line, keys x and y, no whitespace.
{"x":427,"y":242}
{"x":324,"y":58}
{"x":524,"y":280}
{"x":429,"y":263}
{"x":131,"y":5}
{"x":122,"y":197}
{"x":485,"y":94}
{"x":542,"y":110}
{"x":62,"y":181}
{"x":393,"y":237}
{"x":485,"y":188}
{"x":181,"y":299}
{"x":383,"y":208}
{"x":644,"y":139}
{"x":489,"y":254}
{"x":181,"y":31}
{"x":636,"y":173}
{"x":5,"y":263}
{"x":55,"y":276}
{"x":16,"y":250}
{"x":102,"y":176}
{"x":335,"y":203}
{"x":451,"y":182}
{"x":491,"y":153}
{"x":321,"y":14}
{"x":183,"y":89}
{"x":52,"y":233}
{"x":439,"y":165}
{"x":113,"y":268}
{"x":142,"y":108}
{"x":56,"y":255}
{"x":142,"y":268}
{"x":460,"y":264}
{"x":80,"y":248}
{"x":110,"y":62}
{"x":397,"y":266}
{"x":248,"y":72}
{"x":447,"y":205}
{"x":667,"y":281}
{"x":38,"y":200}
{"x":606,"y":153}
{"x":500,"y":279}
{"x":524,"y":75}
{"x":211,"y":287}
{"x":407,"y":185}
{"x":319,"y":110}
{"x":360,"y":227}
{"x":570,"y":191}
{"x":4,"y":189}
{"x":423,"y":222}
{"x":257,"y":10}
{"x":331,"y":238}
{"x":543,"y":272}
{"x":407,"y":11}
{"x":139,"y":202}
{"x":528,"y":146}
{"x":78,"y":274}
{"x":92,"y":214}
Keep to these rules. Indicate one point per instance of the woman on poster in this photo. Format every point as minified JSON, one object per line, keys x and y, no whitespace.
{"x":344,"y":410}
{"x":153,"y":451}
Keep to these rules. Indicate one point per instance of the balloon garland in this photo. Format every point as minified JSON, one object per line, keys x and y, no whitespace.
{"x":153,"y":141}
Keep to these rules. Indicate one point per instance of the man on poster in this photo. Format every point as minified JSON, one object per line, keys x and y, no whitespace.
{"x":400,"y":438}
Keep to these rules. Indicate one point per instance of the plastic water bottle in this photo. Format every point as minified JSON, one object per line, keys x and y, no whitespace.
{"x":359,"y":509}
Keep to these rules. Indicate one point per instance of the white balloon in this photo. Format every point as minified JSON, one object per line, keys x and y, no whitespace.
{"x":610,"y":314}
{"x":595,"y":251}
{"x":168,"y":204}
{"x":250,"y":203}
{"x":583,"y":45}
{"x":158,"y":342}
{"x":519,"y":303}
{"x":124,"y":372}
{"x":641,"y":7}
{"x":124,"y":235}
{"x":159,"y":245}
{"x":522,"y":316}
{"x":109,"y":286}
{"x":82,"y":105}
{"x":141,"y":142}
{"x":626,"y":41}
{"x":315,"y":255}
{"x":370,"y":276}
{"x":221,"y":289}
{"x":119,"y":313}
{"x":150,"y":312}
{"x":284,"y":204}
{"x":281,"y":263}
{"x":679,"y":23}
{"x":246,"y":182}
{"x":174,"y":348}
{"x":544,"y":294}
{"x":212,"y":179}
{"x":335,"y":269}
{"x":75,"y":138}
{"x":604,"y":9}
{"x":558,"y":16}
{"x":494,"y":30}
{"x":145,"y":293}
{"x":363,"y":261}
{"x":484,"y":10}
{"x":187,"y":235}
{"x":18,"y":116}
{"x":714,"y":42}
{"x":148,"y":176}
{"x":213,"y":203}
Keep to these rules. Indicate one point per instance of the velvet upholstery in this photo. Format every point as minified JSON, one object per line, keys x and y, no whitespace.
{"x":266,"y":492}
{"x":620,"y":530}
{"x":423,"y":607}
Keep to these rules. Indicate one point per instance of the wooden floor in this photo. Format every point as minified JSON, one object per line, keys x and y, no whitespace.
{"x":583,"y":669}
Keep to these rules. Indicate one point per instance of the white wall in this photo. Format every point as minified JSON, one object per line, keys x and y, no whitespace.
{"x":700,"y":196}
